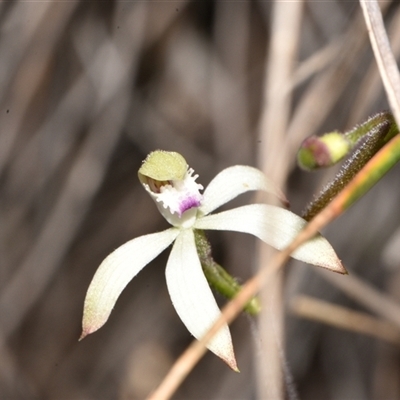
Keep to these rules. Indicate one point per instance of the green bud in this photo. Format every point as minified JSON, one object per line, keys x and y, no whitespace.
{"x":360,"y":143}
{"x":320,"y":152}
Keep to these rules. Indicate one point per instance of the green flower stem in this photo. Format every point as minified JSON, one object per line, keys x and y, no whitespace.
{"x":367,"y":139}
{"x":217,"y":277}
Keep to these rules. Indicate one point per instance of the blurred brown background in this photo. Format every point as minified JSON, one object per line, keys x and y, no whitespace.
{"x":87,"y":89}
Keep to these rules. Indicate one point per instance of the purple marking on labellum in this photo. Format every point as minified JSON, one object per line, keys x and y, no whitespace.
{"x":187,"y":203}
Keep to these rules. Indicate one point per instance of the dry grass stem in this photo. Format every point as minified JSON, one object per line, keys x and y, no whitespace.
{"x":371,"y":86}
{"x":383,"y":54}
{"x":367,"y":296}
{"x":273,"y":161}
{"x":343,"y":318}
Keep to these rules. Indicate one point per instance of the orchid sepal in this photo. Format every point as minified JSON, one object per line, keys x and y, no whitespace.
{"x":276,"y":227}
{"x":234,"y":181}
{"x":192,"y":297}
{"x":116,"y":271}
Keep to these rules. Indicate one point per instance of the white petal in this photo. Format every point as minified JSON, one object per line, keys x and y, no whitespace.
{"x":276,"y":227}
{"x":233,"y":181}
{"x":116,"y":271}
{"x":192,"y":296}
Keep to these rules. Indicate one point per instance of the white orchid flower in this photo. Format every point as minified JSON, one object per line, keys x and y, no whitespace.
{"x":169,"y":181}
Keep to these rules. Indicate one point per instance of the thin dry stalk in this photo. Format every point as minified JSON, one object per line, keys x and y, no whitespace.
{"x":273,"y":161}
{"x":366,"y":295}
{"x":371,"y":86}
{"x":342,"y":317}
{"x":37,"y":43}
{"x":315,"y":63}
{"x":383,"y":54}
{"x":229,"y":104}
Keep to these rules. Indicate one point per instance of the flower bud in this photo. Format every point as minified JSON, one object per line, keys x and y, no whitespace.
{"x":319,"y":152}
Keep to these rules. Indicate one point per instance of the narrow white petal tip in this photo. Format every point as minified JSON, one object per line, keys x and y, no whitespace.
{"x":335,"y":266}
{"x":231,"y":362}
{"x":92,"y":321}
{"x":87,"y":331}
{"x":227,"y":355}
{"x":221,"y":345}
{"x":319,"y":252}
{"x":235,"y":367}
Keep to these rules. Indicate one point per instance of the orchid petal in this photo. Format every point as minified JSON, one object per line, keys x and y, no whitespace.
{"x":233,"y":181}
{"x":116,"y":271}
{"x":192,"y":296}
{"x":276,"y":227}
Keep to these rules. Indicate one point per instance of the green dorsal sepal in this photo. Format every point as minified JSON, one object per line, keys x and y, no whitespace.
{"x":163,"y":166}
